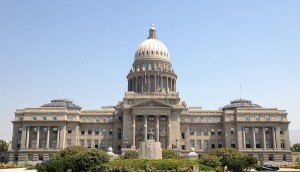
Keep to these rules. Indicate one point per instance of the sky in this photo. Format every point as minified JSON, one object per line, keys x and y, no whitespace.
{"x":83,"y":51}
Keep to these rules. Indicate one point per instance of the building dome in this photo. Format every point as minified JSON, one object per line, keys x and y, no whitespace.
{"x":152,"y":48}
{"x":241,"y":103}
{"x":62,"y":103}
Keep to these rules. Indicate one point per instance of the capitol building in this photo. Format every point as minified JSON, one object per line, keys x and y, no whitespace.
{"x":151,"y":103}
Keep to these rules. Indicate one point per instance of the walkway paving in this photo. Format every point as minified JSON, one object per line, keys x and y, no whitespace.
{"x":16,"y":170}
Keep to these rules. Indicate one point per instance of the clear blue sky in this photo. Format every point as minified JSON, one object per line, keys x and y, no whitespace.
{"x":89,"y":46}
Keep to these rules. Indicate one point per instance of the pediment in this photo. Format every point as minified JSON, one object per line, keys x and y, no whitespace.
{"x":151,"y":103}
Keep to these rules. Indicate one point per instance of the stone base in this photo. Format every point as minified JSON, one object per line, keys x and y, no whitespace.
{"x":150,"y":150}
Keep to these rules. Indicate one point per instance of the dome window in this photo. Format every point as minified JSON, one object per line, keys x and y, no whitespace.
{"x":143,"y":53}
{"x":147,"y":52}
{"x":156,"y":52}
{"x":160,"y":53}
{"x":152,"y":52}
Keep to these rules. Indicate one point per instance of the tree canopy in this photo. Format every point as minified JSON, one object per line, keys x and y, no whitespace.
{"x":295,"y":147}
{"x":3,"y":146}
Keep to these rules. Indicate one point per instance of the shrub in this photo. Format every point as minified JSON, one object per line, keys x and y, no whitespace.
{"x":170,"y":154}
{"x":210,"y":161}
{"x":130,"y":155}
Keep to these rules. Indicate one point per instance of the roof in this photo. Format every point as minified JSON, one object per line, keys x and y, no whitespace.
{"x":62,"y":103}
{"x":241,"y":103}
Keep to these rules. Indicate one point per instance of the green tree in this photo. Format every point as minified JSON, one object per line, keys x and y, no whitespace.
{"x":3,"y":146}
{"x":131,"y":154}
{"x":295,"y":147}
{"x":76,"y":158}
{"x":170,"y":154}
{"x":210,"y":161}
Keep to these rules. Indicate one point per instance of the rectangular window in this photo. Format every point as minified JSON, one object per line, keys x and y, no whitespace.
{"x":233,"y":143}
{"x":213,"y":145}
{"x":111,"y":119}
{"x":163,"y":118}
{"x":231,"y":118}
{"x":45,"y":130}
{"x":191,"y":119}
{"x":103,"y":144}
{"x":205,"y":144}
{"x":198,"y":146}
{"x":53,"y":144}
{"x":220,"y":144}
{"x":110,"y":131}
{"x":205,"y":120}
{"x":198,"y":119}
{"x":267,"y":131}
{"x":50,"y":156}
{"x":282,"y":145}
{"x":69,"y":142}
{"x":96,"y":143}
{"x":41,"y":158}
{"x":267,"y":118}
{"x":18,"y":144}
{"x":281,"y":131}
{"x":256,"y":130}
{"x":247,"y":130}
{"x":212,"y":120}
{"x":82,"y":132}
{"x":219,"y":119}
{"x":219,"y":131}
{"x":110,"y":143}
{"x":97,"y":119}
{"x":182,"y":135}
{"x":192,"y":132}
{"x":43,"y":143}
{"x":271,"y":157}
{"x":54,"y":118}
{"x":283,"y":157}
{"x":103,"y":131}
{"x":280,"y":118}
{"x":44,"y":118}
{"x":82,"y":143}
{"x":20,"y":130}
{"x":21,"y":118}
{"x":30,"y":157}
{"x":89,"y":143}
{"x":33,"y":143}
{"x":248,"y":143}
{"x":247,"y":117}
{"x":96,"y":131}
{"x":205,"y":132}
{"x":34,"y":118}
{"x":151,"y":118}
{"x":35,"y":129}
{"x":212,"y":131}
{"x":232,"y":130}
{"x":119,"y":135}
{"x":257,"y":143}
{"x":268,"y":144}
{"x":89,"y":131}
{"x":257,"y":118}
{"x":198,"y":132}
{"x":69,"y":130}
{"x":192,"y":143}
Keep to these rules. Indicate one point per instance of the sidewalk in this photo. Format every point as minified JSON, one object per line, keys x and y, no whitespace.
{"x":16,"y":170}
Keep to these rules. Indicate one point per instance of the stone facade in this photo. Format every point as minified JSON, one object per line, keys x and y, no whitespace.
{"x":150,"y":103}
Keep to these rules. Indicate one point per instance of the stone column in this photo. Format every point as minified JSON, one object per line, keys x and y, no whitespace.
{"x":133,"y":131}
{"x":278,"y":137}
{"x":171,"y":85}
{"x":161,"y":82}
{"x":174,"y":85}
{"x":148,"y":84}
{"x":274,"y":139}
{"x":145,"y":127}
{"x":264,"y":137}
{"x":155,"y":86}
{"x":167,"y":84}
{"x":64,"y":136}
{"x":157,"y":128}
{"x":253,"y":136}
{"x":38,"y":137}
{"x":244,"y":137}
{"x":142,"y":83}
{"x":27,"y":137}
{"x":48,"y":137}
{"x":57,"y":139}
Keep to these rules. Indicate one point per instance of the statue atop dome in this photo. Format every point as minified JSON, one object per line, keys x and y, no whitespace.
{"x":152,"y":34}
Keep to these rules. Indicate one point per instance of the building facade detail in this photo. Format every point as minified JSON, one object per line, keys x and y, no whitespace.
{"x":151,"y":103}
